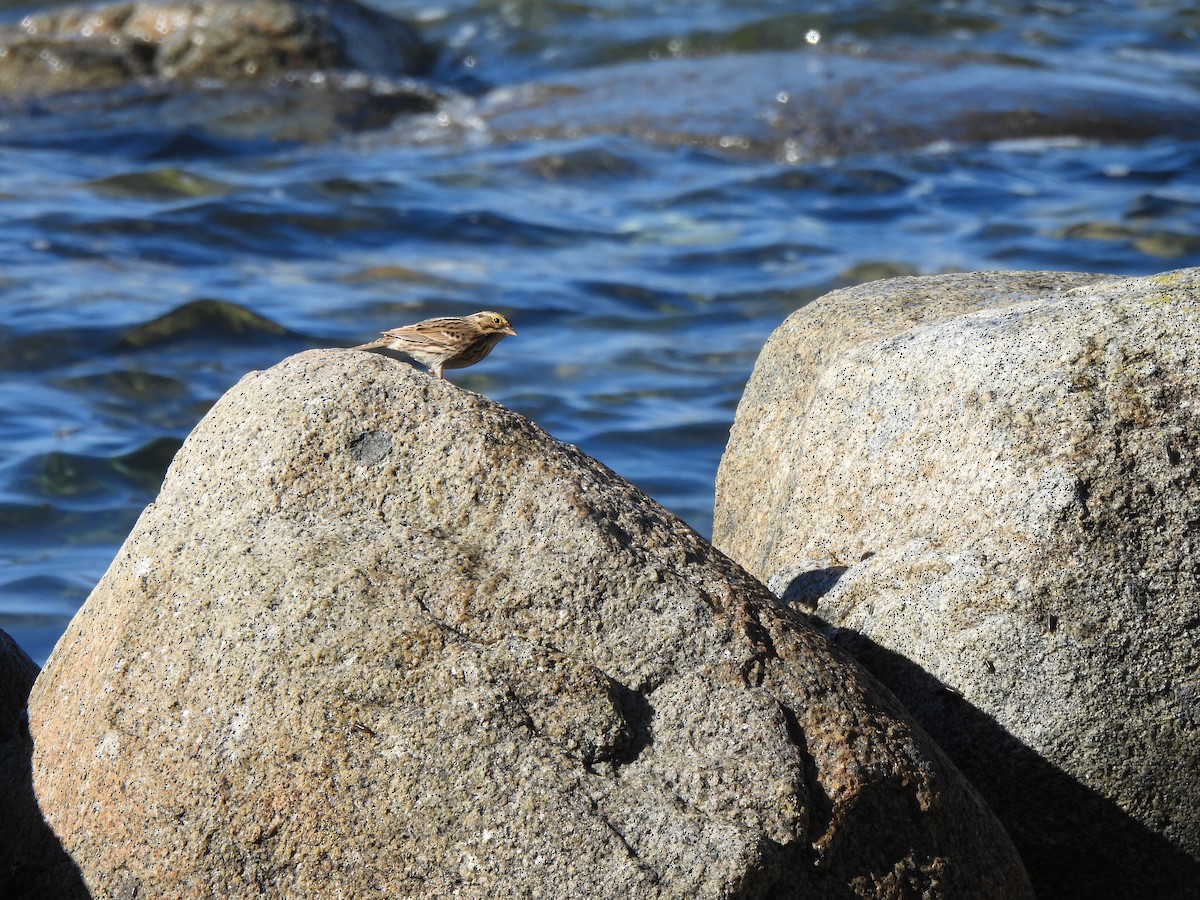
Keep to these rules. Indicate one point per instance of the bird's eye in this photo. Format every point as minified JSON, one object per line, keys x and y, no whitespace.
{"x":496,"y":319}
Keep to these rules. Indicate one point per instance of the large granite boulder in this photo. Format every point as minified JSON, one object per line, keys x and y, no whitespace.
{"x":90,"y":47}
{"x":380,"y":637}
{"x":987,"y":486}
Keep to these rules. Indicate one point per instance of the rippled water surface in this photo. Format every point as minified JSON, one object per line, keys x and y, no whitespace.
{"x":648,"y":190}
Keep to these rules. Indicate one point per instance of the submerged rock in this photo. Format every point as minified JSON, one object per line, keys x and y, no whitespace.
{"x":207,"y":77}
{"x":87,"y":48}
{"x":802,"y":106}
{"x":381,"y":637}
{"x":987,"y":485}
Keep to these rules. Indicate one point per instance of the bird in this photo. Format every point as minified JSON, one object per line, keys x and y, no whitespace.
{"x":447,"y":342}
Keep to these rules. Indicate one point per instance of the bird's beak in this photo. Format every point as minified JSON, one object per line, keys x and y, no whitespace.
{"x":510,"y":330}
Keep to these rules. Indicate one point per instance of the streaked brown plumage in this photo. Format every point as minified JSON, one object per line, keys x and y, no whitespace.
{"x":447,"y":342}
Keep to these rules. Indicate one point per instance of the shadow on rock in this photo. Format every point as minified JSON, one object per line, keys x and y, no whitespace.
{"x":1058,"y":844}
{"x":38,"y":867}
{"x":33,"y":864}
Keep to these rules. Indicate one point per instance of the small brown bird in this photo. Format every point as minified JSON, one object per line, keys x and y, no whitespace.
{"x":448,"y":342}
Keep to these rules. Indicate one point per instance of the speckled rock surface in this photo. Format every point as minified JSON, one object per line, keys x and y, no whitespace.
{"x":380,"y":637}
{"x":987,"y":485}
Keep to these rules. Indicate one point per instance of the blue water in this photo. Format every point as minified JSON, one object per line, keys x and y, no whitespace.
{"x":645,"y":239}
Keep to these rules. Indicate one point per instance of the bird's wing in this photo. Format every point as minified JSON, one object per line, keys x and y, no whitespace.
{"x":434,"y":331}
